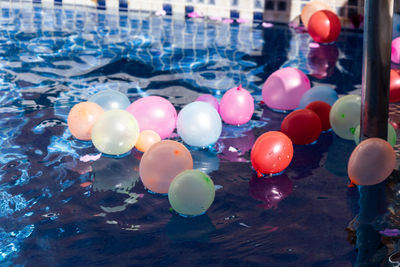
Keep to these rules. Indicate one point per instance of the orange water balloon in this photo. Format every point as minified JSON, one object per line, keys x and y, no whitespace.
{"x":147,"y":138}
{"x":162,"y":163}
{"x":371,"y":162}
{"x":311,"y":8}
{"x":81,"y":119}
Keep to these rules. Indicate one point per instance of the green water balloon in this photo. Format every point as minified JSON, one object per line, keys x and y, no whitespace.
{"x":115,"y":132}
{"x":391,"y":138}
{"x":191,"y":193}
{"x":345,"y":116}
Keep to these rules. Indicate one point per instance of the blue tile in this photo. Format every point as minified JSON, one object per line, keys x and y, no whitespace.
{"x":101,"y":4}
{"x":58,"y":2}
{"x":257,"y":16}
{"x":37,"y":1}
{"x":235,"y":14}
{"x":123,"y":4}
{"x":167,"y":8}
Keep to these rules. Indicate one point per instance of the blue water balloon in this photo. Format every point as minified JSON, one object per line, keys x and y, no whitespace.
{"x":319,"y":93}
{"x":110,"y":99}
{"x":199,"y":124}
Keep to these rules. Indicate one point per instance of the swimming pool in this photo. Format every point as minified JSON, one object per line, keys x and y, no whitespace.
{"x":56,"y":210}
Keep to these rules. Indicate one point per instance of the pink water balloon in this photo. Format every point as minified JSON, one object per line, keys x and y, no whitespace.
{"x":371,"y":162}
{"x":396,"y":50}
{"x":154,"y":113}
{"x":81,"y":119}
{"x":210,"y":100}
{"x":161,"y":163}
{"x":284,"y":88}
{"x":237,"y":106}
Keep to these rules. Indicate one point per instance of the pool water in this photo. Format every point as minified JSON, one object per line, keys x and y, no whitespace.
{"x":57,"y":210}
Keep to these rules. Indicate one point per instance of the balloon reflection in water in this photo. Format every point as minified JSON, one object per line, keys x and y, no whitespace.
{"x":181,"y":229}
{"x":322,"y":60}
{"x":270,"y":190}
{"x":235,"y":143}
{"x":205,"y":161}
{"x":310,"y":157}
{"x":115,"y":174}
{"x":338,"y":155}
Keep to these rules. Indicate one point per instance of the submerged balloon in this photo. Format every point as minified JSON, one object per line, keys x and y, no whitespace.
{"x":284,"y":88}
{"x":396,"y":50}
{"x":391,"y":138}
{"x":199,"y":124}
{"x":345,"y":116}
{"x":154,"y":113}
{"x":319,"y":93}
{"x":115,"y":132}
{"x":302,"y":126}
{"x":271,"y":153}
{"x":322,"y":109}
{"x":161,"y":163}
{"x":324,"y":26}
{"x":191,"y":193}
{"x":147,"y":138}
{"x":237,"y":106}
{"x":210,"y":100}
{"x":81,"y":119}
{"x":310,"y":8}
{"x":110,"y":99}
{"x":371,"y":162}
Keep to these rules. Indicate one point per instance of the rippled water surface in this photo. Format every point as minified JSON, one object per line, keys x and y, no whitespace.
{"x":56,"y":210}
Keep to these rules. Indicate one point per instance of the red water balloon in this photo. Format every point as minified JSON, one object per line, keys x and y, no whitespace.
{"x":302,"y":126}
{"x":271,"y":153}
{"x":394,"y":93}
{"x":322,"y":109}
{"x":324,"y":26}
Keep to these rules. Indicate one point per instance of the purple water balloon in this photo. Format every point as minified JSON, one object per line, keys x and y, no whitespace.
{"x":210,"y":100}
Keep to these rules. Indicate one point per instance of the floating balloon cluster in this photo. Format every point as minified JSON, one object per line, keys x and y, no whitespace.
{"x":115,"y":126}
{"x":316,"y":109}
{"x":322,"y":23}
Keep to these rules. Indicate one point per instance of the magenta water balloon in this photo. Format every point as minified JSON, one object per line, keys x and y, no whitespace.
{"x":284,"y":88}
{"x":237,"y":106}
{"x":213,"y":101}
{"x":154,"y":113}
{"x":396,"y":50}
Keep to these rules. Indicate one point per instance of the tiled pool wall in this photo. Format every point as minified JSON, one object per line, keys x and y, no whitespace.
{"x":283,"y":11}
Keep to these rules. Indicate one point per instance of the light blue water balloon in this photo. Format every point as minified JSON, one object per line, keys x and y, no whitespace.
{"x":199,"y":124}
{"x":319,"y":93}
{"x":110,"y":99}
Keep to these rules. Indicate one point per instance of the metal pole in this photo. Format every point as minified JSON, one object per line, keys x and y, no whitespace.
{"x":376,"y":68}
